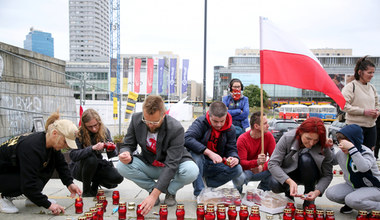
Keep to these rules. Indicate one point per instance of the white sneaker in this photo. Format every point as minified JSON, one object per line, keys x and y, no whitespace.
{"x":29,"y":203}
{"x":7,"y":206}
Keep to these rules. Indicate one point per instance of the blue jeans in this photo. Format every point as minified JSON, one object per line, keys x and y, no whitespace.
{"x":215,"y":174}
{"x":144,"y":175}
{"x":248,"y":176}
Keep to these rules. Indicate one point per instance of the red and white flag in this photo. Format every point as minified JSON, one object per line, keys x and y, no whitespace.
{"x":284,"y":60}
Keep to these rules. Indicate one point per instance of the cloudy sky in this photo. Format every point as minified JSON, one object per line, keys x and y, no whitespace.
{"x":149,"y":26}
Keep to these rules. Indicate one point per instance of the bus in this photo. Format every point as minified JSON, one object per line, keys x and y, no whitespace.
{"x":324,"y":112}
{"x":297,"y":112}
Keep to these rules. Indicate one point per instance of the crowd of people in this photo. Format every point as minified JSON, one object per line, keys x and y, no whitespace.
{"x":218,"y":147}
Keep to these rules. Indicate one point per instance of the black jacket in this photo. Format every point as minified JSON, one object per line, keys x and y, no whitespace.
{"x":83,"y":152}
{"x":198,"y":134}
{"x":34,"y":162}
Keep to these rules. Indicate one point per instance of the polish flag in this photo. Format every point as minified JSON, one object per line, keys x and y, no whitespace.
{"x":284,"y":60}
{"x":80,"y":114}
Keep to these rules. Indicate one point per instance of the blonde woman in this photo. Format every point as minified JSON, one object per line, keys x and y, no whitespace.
{"x":88,"y":164}
{"x":27,"y":162}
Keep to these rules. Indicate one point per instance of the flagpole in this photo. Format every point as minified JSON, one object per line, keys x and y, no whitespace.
{"x":261,"y":95}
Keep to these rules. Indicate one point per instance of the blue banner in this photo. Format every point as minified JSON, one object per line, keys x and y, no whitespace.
{"x":161,"y":68}
{"x":173,"y":70}
{"x":185,"y":68}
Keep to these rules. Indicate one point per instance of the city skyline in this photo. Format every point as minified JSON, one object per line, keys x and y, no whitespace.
{"x":149,"y":26}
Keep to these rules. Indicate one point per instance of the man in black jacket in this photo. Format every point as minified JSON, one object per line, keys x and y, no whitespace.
{"x":211,"y":140}
{"x":163,"y":156}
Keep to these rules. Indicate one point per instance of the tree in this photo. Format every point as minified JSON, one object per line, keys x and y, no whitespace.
{"x":253,"y":94}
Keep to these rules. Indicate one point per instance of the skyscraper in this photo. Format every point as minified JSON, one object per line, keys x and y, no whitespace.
{"x":89,"y":30}
{"x":40,"y":42}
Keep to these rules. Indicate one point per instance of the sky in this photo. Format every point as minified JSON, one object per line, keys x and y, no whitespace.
{"x":150,"y":26}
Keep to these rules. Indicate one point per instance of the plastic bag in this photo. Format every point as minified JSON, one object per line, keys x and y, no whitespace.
{"x":226,"y":196}
{"x":267,"y":201}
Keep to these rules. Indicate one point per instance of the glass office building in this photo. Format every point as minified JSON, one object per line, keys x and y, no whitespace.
{"x":40,"y":42}
{"x":247,"y":69}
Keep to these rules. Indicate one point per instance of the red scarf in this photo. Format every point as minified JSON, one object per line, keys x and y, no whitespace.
{"x":214,"y":138}
{"x":236,"y":94}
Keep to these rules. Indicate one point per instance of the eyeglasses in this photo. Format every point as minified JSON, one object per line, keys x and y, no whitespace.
{"x":92,"y":126}
{"x":152,"y":122}
{"x":236,"y":87}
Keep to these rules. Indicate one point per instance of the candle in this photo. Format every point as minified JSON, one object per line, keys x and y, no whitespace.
{"x":78,"y":205}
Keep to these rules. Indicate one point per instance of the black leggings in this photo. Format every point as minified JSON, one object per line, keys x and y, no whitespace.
{"x":10,"y":184}
{"x":98,"y":172}
{"x":306,"y":174}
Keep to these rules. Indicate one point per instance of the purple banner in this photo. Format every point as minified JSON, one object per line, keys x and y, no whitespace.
{"x":185,"y":68}
{"x":161,"y":68}
{"x":173,"y":70}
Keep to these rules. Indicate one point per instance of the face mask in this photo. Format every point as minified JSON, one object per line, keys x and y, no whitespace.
{"x":236,"y":93}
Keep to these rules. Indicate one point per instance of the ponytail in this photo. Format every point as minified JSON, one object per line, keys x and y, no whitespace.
{"x":362,"y":64}
{"x":52,"y":118}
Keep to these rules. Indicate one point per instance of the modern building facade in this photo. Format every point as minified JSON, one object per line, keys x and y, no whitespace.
{"x":338,"y":63}
{"x":39,"y":42}
{"x":94,"y":77}
{"x":89,"y":30}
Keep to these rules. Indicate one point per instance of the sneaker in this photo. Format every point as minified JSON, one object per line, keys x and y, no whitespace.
{"x":170,"y":200}
{"x":7,"y":206}
{"x":346,"y":209}
{"x":29,"y":203}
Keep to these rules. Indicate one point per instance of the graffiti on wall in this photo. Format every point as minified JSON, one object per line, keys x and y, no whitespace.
{"x":19,"y":122}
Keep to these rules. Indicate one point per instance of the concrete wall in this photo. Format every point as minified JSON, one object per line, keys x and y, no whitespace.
{"x":28,"y":90}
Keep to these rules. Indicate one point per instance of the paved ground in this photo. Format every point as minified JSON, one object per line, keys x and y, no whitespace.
{"x":130,"y":192}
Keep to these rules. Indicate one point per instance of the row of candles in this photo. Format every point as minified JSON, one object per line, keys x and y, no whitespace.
{"x":208,"y":212}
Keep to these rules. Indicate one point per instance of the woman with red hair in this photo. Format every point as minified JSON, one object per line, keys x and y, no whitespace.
{"x":302,"y":157}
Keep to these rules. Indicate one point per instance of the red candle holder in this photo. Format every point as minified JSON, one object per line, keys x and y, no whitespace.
{"x":200,"y":211}
{"x":138,"y":213}
{"x":232,"y":213}
{"x":93,"y":210}
{"x":180,"y":212}
{"x":210,"y":214}
{"x":249,"y":196}
{"x":115,"y":197}
{"x":375,"y":215}
{"x":299,"y":215}
{"x":221,"y":213}
{"x":79,"y":205}
{"x":88,"y":215}
{"x":362,"y":215}
{"x":320,"y":215}
{"x":287,"y":214}
{"x":102,"y":199}
{"x":109,"y":146}
{"x":163,"y":212}
{"x":99,"y":213}
{"x":309,"y":214}
{"x":255,"y":214}
{"x":99,"y":193}
{"x":290,"y":205}
{"x":122,"y":211}
{"x":243,"y":213}
{"x":330,"y":215}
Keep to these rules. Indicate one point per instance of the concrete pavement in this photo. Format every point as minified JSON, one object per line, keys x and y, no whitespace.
{"x":130,"y":192}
